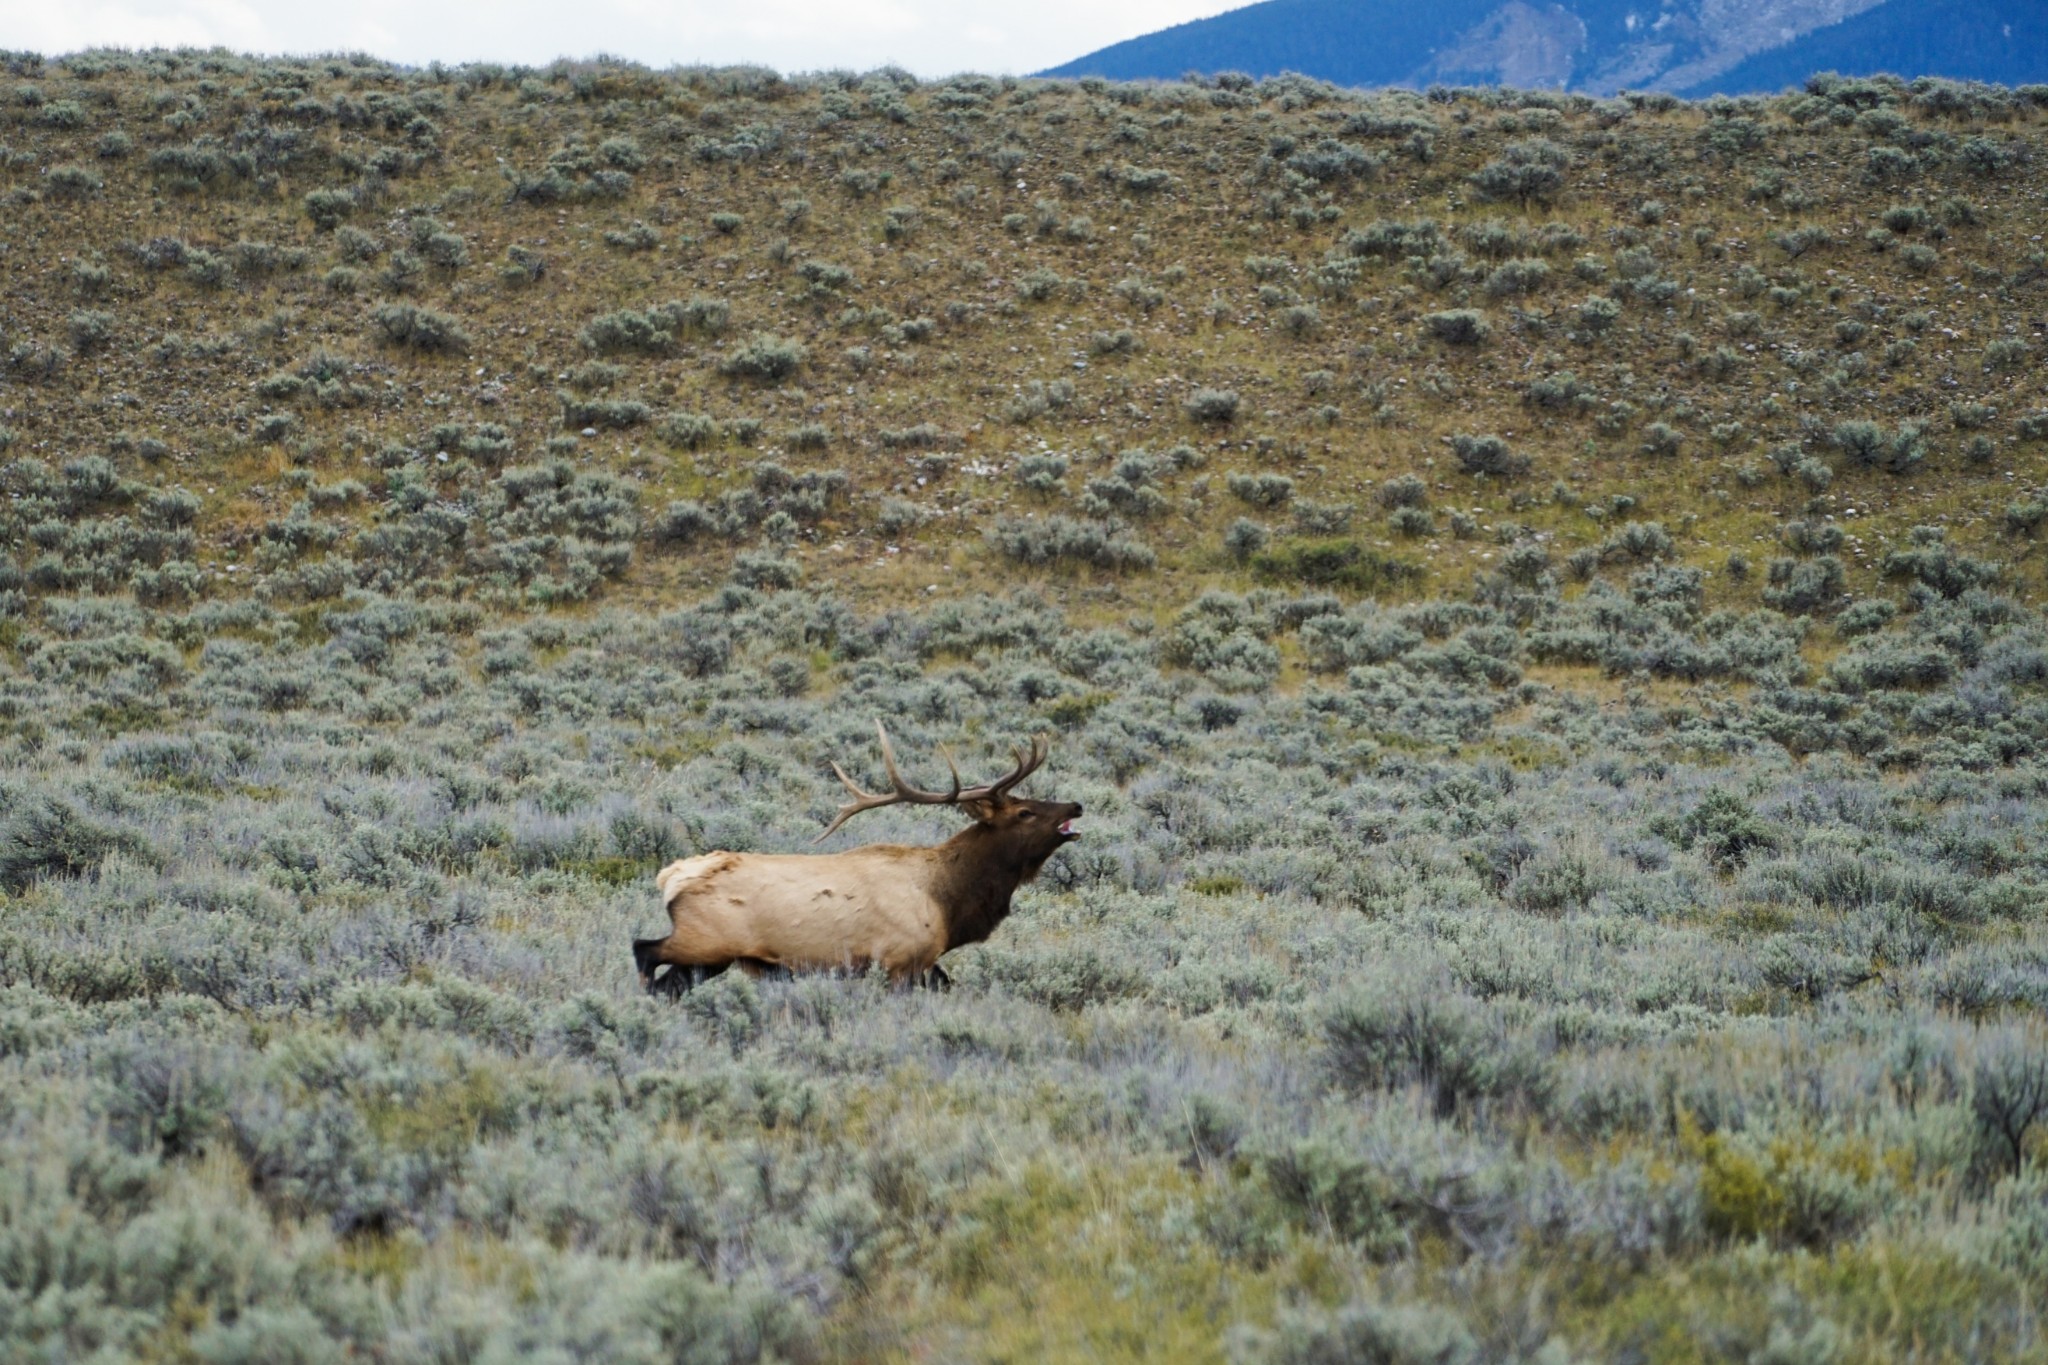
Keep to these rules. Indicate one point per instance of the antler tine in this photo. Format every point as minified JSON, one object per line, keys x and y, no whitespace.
{"x":907,"y":792}
{"x":862,"y":800}
{"x":902,"y":790}
{"x":1027,"y":764}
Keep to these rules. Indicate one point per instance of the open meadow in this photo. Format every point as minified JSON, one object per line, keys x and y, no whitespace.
{"x":1538,"y":598}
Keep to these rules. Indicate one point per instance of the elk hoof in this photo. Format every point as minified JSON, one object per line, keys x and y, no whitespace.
{"x":679,"y":981}
{"x":645,"y":962}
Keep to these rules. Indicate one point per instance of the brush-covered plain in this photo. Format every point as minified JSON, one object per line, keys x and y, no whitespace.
{"x":1459,"y":1003}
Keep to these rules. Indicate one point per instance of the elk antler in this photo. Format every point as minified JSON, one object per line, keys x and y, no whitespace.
{"x":902,"y":791}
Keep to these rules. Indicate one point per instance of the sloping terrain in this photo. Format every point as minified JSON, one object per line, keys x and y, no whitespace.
{"x":1539,"y":599}
{"x":510,"y":338}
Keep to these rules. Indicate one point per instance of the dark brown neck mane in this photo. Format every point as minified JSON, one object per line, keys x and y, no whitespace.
{"x":978,"y":870}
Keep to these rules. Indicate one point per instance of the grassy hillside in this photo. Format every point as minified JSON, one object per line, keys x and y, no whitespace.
{"x":274,"y":285}
{"x":1538,"y":599}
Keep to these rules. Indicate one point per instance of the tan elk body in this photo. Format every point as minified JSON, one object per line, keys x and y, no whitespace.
{"x":893,"y":906}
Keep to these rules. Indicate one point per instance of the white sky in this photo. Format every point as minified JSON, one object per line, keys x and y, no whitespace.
{"x":929,"y":37}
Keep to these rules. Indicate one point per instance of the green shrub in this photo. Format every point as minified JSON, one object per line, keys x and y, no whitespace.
{"x":1391,"y":1334}
{"x":764,"y":357}
{"x":327,"y":208}
{"x":683,"y":523}
{"x":2007,"y":353}
{"x":1638,"y":541}
{"x":648,"y":333}
{"x":899,"y":515}
{"x":1598,"y":314}
{"x":1427,"y":1037}
{"x":2008,"y":1097}
{"x":1512,"y":278}
{"x":1897,"y":451}
{"x":47,"y":837}
{"x":1039,"y":284}
{"x":1327,"y":160}
{"x":1261,"y":490}
{"x":1796,"y":242}
{"x":689,"y":430}
{"x":1663,"y":440}
{"x":1212,"y":405}
{"x":419,"y":329}
{"x":581,"y":413}
{"x":1530,"y":171}
{"x":90,"y":330}
{"x":1333,"y":564}
{"x":1458,"y":327}
{"x":1411,"y":521}
{"x":1935,"y":565}
{"x":72,"y":181}
{"x":1724,"y":829}
{"x":765,"y":569}
{"x":1244,"y":538}
{"x":1403,"y":490}
{"x":636,"y":236}
{"x":1488,"y":455}
{"x":1801,"y":587}
{"x":1061,"y":539}
{"x":1300,"y":321}
{"x":1122,"y":341}
{"x":1042,"y":471}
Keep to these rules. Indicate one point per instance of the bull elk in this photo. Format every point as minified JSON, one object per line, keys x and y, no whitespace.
{"x":891,"y":906}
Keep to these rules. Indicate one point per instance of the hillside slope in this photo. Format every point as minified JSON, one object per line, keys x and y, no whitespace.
{"x":620,"y":326}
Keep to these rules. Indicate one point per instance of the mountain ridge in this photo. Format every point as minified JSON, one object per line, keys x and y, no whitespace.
{"x":1697,"y":48}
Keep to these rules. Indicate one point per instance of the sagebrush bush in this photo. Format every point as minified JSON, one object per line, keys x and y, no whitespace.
{"x":764,"y":357}
{"x":1530,"y":171}
{"x":1212,"y":405}
{"x":1265,"y":490}
{"x":1458,"y":327}
{"x":419,"y":329}
{"x":1056,"y":539}
{"x":1487,"y":455}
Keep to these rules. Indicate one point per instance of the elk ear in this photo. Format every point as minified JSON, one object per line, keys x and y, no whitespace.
{"x":983,"y":808}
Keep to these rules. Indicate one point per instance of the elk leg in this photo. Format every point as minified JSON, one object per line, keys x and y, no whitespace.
{"x":677,"y":982}
{"x":680,"y":976}
{"x":644,"y":960}
{"x":763,"y":970}
{"x":934,"y":978}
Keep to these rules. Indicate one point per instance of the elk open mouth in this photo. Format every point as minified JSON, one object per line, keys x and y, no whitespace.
{"x":1067,"y":829}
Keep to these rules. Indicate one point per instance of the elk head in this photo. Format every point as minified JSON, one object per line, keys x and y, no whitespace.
{"x":1018,"y":832}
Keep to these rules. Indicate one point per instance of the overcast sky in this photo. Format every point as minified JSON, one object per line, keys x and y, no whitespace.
{"x":929,"y":37}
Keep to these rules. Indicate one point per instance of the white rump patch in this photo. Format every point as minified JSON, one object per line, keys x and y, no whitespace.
{"x":678,"y":875}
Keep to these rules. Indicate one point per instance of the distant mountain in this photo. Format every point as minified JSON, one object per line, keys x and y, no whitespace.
{"x":1980,"y":40}
{"x":1689,"y":47}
